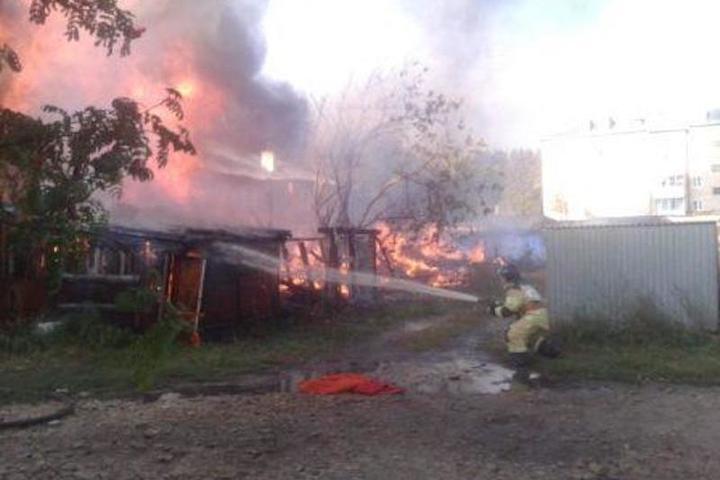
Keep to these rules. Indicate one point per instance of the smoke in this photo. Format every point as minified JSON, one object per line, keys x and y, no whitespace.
{"x":496,"y":55}
{"x":532,"y":68}
{"x":11,"y":15}
{"x":215,"y":49}
{"x":224,"y":43}
{"x":10,"y":18}
{"x":463,"y":47}
{"x":213,"y":53}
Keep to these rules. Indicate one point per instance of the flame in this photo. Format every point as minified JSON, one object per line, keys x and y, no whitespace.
{"x":312,"y":275}
{"x":74,"y":75}
{"x":345,"y":287}
{"x":428,"y":256}
{"x":477,"y":255}
{"x":295,"y":270}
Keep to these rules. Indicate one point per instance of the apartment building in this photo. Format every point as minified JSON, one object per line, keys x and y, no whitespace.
{"x":633,"y":168}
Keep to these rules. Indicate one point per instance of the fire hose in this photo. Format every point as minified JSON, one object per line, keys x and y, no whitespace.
{"x":32,"y":421}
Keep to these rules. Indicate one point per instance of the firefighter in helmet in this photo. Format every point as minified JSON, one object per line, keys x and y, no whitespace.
{"x":528,"y":334}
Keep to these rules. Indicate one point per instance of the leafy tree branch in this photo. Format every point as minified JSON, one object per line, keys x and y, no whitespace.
{"x":103,"y":20}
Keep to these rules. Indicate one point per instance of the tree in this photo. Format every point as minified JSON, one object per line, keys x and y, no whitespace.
{"x":522,"y":194}
{"x":101,"y":19}
{"x":52,"y":168}
{"x":392,"y":148}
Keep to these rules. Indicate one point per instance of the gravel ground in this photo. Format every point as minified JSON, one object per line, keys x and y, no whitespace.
{"x":590,"y":431}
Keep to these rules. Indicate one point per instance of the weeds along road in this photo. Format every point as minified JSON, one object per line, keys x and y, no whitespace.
{"x":587,"y":432}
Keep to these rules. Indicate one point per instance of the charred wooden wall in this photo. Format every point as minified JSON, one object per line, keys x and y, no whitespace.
{"x":235,"y":295}
{"x":182,"y":267}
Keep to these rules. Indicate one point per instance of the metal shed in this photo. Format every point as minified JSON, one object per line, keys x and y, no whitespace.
{"x":609,"y":269}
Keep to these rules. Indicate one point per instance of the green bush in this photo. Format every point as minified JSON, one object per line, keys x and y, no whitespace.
{"x":646,"y":325}
{"x":22,"y":341}
{"x":646,"y":345}
{"x":89,"y":330}
{"x":139,"y":300}
{"x":85,"y":329}
{"x":150,"y":352}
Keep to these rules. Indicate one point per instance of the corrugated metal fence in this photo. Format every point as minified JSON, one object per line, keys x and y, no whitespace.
{"x":610,"y":271}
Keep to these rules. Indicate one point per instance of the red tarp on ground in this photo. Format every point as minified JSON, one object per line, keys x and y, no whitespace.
{"x":347,"y":383}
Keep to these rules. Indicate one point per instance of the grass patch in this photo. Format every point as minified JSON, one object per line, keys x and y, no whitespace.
{"x":215,"y":362}
{"x":646,"y":348}
{"x":88,"y":355}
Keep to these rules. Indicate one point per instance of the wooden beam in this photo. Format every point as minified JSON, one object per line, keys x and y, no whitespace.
{"x":385,"y":257}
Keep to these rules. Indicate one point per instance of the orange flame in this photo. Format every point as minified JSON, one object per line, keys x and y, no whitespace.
{"x":477,"y":255}
{"x":74,"y":75}
{"x":297,"y":273}
{"x":345,"y":287}
{"x":428,"y":256}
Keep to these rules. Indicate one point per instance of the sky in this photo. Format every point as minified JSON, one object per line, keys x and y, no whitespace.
{"x":527,"y":68}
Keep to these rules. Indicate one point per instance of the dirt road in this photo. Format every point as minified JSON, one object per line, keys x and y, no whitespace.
{"x":582,"y":432}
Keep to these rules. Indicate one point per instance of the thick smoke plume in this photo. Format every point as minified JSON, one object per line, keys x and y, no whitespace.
{"x":213,"y":53}
{"x":223,"y":43}
{"x":511,"y":60}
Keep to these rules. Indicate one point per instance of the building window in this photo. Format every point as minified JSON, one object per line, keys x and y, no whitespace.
{"x":697,"y":205}
{"x":715,"y":168}
{"x":669,"y":204}
{"x":675,"y":180}
{"x":697,"y":181}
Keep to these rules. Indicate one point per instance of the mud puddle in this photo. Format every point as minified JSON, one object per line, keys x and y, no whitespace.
{"x":455,"y":374}
{"x":418,"y":325}
{"x":458,"y":375}
{"x":462,"y":369}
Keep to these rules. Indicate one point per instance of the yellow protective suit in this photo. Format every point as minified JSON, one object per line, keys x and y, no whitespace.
{"x":532,"y":324}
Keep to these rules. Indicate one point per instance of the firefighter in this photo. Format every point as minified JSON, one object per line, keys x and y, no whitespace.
{"x":528,"y":334}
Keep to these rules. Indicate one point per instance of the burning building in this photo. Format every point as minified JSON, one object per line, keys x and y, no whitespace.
{"x":324,"y":267}
{"x":183,"y":267}
{"x":233,"y":112}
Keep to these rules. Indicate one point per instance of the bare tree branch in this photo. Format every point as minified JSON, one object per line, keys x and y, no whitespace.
{"x":387,"y":131}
